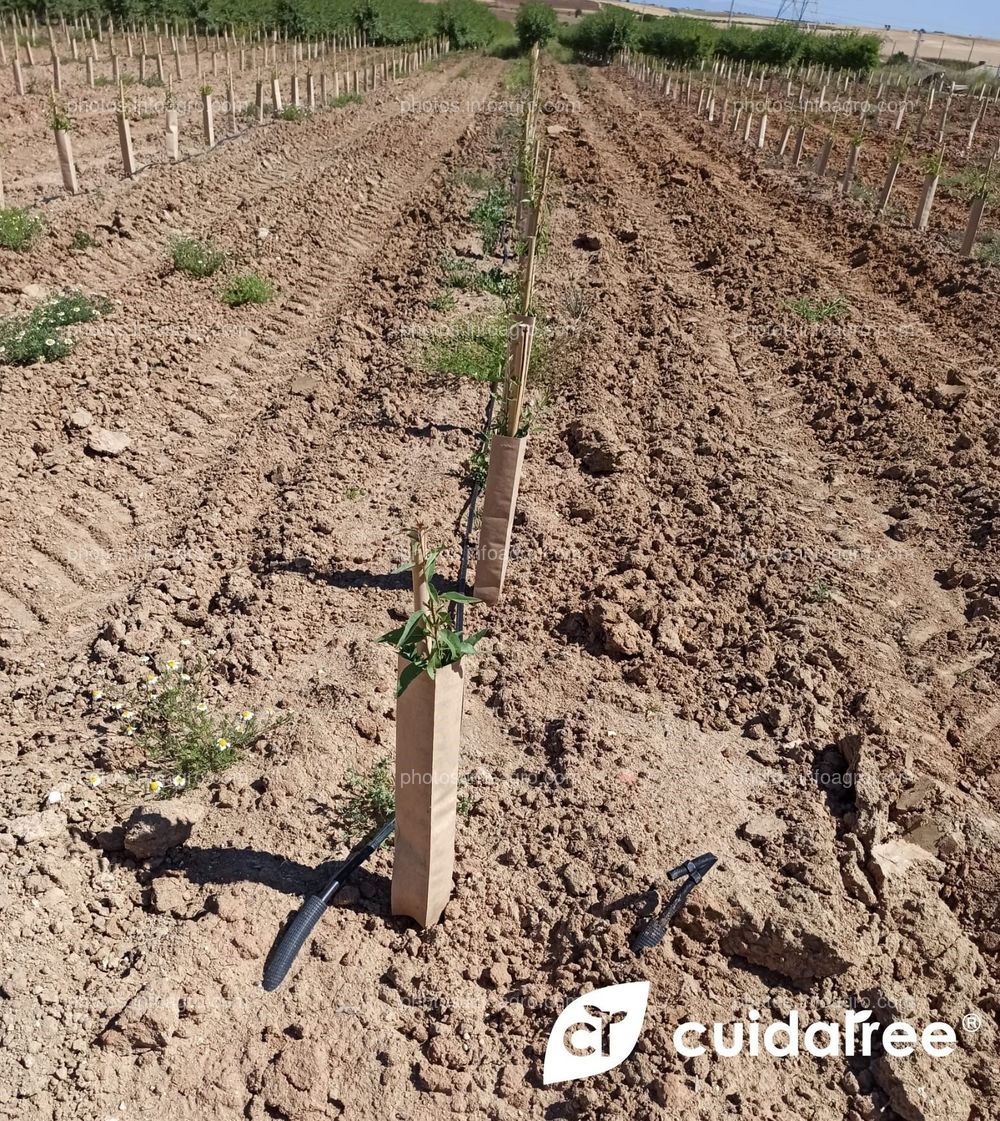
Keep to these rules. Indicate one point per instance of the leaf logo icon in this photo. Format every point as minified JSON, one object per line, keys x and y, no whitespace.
{"x":595,"y":1032}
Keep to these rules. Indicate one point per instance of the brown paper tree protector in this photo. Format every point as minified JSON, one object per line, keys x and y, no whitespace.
{"x":64,"y":146}
{"x":275,"y":94}
{"x":125,"y":136}
{"x":208,"y":119}
{"x":923,"y":214}
{"x":503,"y":476}
{"x":428,"y":738}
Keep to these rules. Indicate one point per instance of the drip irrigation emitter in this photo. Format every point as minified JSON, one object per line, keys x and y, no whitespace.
{"x":653,"y":932}
{"x":311,"y":911}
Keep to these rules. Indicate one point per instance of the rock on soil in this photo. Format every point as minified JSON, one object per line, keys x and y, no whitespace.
{"x":153,"y":830}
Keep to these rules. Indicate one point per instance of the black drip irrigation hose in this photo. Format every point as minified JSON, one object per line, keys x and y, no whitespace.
{"x":298,"y":930}
{"x":652,"y":933}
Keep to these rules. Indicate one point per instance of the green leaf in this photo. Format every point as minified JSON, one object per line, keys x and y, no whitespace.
{"x":477,"y":637}
{"x":458,"y":597}
{"x":410,"y":625}
{"x":391,"y":637}
{"x":430,"y":568}
{"x":406,"y":566}
{"x":409,"y":674}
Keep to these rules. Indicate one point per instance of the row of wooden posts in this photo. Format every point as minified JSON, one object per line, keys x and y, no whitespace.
{"x":429,"y":711}
{"x":356,"y":81}
{"x":152,"y":63}
{"x":672,"y":87}
{"x":182,"y":36}
{"x":826,"y":90}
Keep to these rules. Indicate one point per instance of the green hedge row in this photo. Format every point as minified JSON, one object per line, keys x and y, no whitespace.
{"x":467,"y":23}
{"x":687,"y":41}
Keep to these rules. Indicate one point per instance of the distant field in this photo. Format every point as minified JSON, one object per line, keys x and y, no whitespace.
{"x":934,"y":46}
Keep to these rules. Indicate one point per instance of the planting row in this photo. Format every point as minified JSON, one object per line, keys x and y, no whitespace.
{"x":764,"y":112}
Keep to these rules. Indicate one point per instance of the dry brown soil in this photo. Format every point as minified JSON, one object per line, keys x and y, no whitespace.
{"x":753,"y":608}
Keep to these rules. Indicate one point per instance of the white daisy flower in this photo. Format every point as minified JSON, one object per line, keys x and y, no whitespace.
{"x":93,"y":780}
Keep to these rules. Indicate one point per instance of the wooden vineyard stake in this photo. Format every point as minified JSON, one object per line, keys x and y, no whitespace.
{"x":125,"y":135}
{"x":18,"y":77}
{"x":428,"y":740}
{"x":539,"y":207}
{"x":323,"y":91}
{"x":295,"y":91}
{"x":762,"y":132}
{"x":275,"y":93}
{"x":91,"y":78}
{"x":310,"y":92}
{"x":259,"y":100}
{"x":3,"y":201}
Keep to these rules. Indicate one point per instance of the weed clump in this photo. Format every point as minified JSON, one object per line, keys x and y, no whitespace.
{"x":293,"y":113}
{"x":247,"y":288}
{"x":40,"y":336}
{"x":19,"y":228}
{"x":371,"y":801}
{"x":818,"y":311}
{"x":344,"y":99}
{"x":196,"y":258}
{"x":168,"y":716}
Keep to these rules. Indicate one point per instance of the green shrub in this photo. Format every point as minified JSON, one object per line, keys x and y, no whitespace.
{"x":466,"y":24}
{"x":293,"y":113}
{"x":602,"y":34}
{"x":535,"y":23}
{"x":196,"y":258}
{"x":19,"y":228}
{"x":247,"y":288}
{"x":678,"y":39}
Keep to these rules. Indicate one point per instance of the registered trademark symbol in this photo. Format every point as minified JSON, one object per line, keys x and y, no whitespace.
{"x":971,"y":1022}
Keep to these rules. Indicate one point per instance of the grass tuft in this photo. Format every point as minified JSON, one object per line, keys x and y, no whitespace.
{"x":247,"y":288}
{"x":472,"y":351}
{"x":344,"y":99}
{"x":196,"y":258}
{"x":19,"y":228}
{"x":818,"y":311}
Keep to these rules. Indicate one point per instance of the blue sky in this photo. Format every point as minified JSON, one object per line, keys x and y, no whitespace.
{"x":966,"y":17}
